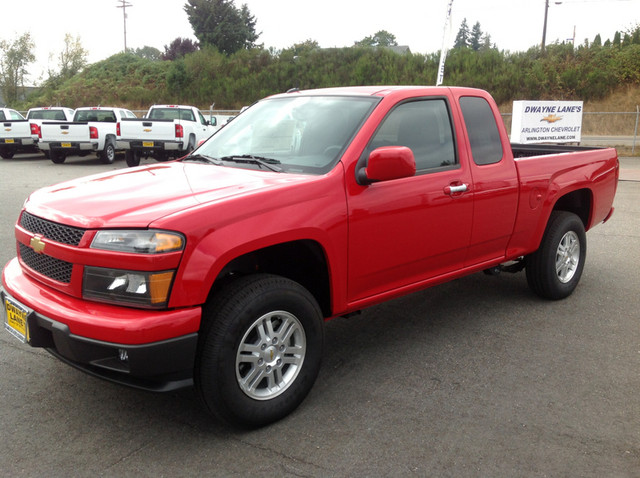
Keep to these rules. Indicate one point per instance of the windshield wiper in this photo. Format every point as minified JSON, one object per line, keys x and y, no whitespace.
{"x":268,"y":163}
{"x":203,"y":158}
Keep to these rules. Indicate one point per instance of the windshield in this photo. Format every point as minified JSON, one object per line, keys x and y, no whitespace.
{"x":301,"y":134}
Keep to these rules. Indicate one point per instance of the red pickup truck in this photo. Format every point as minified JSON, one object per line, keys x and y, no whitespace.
{"x":218,"y":270}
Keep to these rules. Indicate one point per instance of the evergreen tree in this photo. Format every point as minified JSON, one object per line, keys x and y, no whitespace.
{"x":462,"y":38}
{"x":616,"y":40}
{"x":476,"y":37}
{"x":597,"y":41}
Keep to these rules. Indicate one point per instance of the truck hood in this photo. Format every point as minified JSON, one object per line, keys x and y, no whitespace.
{"x":137,"y":197}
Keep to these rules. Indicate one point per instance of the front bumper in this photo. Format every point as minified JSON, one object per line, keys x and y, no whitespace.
{"x":150,"y":350}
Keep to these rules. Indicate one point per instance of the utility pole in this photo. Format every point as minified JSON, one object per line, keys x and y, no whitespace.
{"x":544,"y":26}
{"x":124,"y":4}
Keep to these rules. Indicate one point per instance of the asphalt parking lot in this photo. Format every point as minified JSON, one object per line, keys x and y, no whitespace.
{"x":477,"y":377}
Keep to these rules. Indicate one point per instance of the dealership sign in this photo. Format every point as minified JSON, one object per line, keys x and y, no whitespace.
{"x":546,"y":122}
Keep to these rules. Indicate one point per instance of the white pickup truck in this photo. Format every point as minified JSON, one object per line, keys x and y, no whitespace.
{"x":37,"y":116}
{"x":166,"y":131}
{"x":15,"y":135}
{"x":93,"y":130}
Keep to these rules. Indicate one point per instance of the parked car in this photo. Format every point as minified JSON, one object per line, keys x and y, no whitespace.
{"x":93,"y":130}
{"x":166,"y":131}
{"x":15,"y":135}
{"x":37,"y":116}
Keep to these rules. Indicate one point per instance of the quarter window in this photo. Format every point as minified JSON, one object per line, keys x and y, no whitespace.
{"x":484,"y":137}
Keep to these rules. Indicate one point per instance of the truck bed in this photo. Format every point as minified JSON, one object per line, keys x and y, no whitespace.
{"x":527,"y":150}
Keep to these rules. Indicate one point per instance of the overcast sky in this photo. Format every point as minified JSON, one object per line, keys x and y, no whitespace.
{"x":513,"y":25}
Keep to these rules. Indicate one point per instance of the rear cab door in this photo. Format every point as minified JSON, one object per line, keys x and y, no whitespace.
{"x":406,"y":231}
{"x":494,"y":174}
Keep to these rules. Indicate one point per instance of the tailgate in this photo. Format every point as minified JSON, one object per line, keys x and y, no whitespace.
{"x":15,"y":129}
{"x":64,"y":132}
{"x":148,"y":130}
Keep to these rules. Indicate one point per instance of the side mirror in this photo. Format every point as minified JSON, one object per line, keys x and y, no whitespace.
{"x":213,"y":121}
{"x":387,"y":163}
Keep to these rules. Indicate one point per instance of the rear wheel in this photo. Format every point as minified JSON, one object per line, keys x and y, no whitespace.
{"x":57,"y":157}
{"x":260,"y":350}
{"x":132,"y":158}
{"x":108,"y":154}
{"x":6,"y":154}
{"x":554,"y":270}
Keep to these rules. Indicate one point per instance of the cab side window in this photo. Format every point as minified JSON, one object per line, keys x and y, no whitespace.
{"x":424,"y":126}
{"x":484,"y":138}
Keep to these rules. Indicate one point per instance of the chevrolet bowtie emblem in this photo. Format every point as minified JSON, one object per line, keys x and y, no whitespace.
{"x":64,"y":132}
{"x":37,"y":245}
{"x":147,"y":130}
{"x":551,"y":118}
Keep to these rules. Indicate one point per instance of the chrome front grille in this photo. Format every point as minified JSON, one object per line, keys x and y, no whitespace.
{"x":51,"y":267}
{"x":51,"y":230}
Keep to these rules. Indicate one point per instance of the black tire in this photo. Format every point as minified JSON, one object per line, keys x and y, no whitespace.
{"x":243,"y":336}
{"x":108,"y":154}
{"x":191,"y":146}
{"x":57,"y":157}
{"x":162,"y":156}
{"x":6,"y":154}
{"x":132,"y":157}
{"x":554,"y":270}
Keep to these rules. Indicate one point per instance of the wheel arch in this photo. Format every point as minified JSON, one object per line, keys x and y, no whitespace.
{"x":303,"y":261}
{"x":578,"y":202}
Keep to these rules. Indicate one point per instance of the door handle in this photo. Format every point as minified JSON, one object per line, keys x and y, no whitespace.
{"x":459,"y":188}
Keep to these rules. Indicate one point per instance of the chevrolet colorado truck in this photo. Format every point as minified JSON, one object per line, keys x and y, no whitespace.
{"x":15,"y":135}
{"x":218,"y":270}
{"x":93,"y":130}
{"x":166,"y":132}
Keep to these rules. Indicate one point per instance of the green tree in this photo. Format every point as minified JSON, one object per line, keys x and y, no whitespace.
{"x":72,"y":58}
{"x":597,"y":41}
{"x":381,"y":38}
{"x":14,"y":58}
{"x":221,"y":24}
{"x":475,"y":40}
{"x":148,"y":53}
{"x":616,"y":40}
{"x":462,"y":38}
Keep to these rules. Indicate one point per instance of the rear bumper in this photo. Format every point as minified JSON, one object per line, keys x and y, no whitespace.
{"x":150,"y":350}
{"x":139,"y":145}
{"x":74,"y":146}
{"x":16,"y":142}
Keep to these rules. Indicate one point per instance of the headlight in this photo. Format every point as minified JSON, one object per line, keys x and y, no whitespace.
{"x":138,"y":241}
{"x":117,"y":286}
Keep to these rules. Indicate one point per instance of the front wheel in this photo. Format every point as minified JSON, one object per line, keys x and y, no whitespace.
{"x":554,"y":270}
{"x":260,"y":350}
